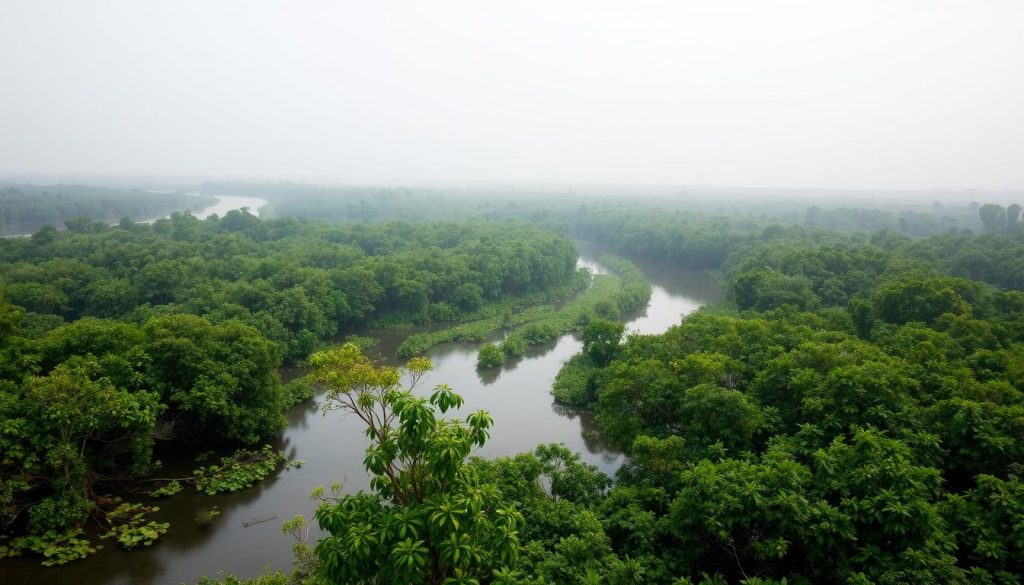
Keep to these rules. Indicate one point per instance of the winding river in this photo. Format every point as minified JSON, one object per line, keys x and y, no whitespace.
{"x":517,"y":395}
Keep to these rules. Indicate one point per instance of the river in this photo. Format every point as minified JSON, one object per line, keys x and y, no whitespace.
{"x":517,"y":395}
{"x":224,"y":204}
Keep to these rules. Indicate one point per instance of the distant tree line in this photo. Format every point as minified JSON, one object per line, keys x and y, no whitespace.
{"x":34,"y":204}
{"x":557,"y":207}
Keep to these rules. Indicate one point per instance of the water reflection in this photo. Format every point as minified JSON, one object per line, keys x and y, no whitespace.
{"x":488,"y":376}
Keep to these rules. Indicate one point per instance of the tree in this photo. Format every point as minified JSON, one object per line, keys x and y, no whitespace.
{"x":84,"y":225}
{"x":708,"y":414}
{"x":919,"y":299}
{"x":812,"y":214}
{"x":490,"y":356}
{"x":1012,"y":216}
{"x":69,"y":428}
{"x":993,"y":217}
{"x":429,"y":518}
{"x":990,"y":519}
{"x":219,"y":382}
{"x":601,"y":340}
{"x":641,"y":397}
{"x":38,"y":297}
{"x":14,"y":363}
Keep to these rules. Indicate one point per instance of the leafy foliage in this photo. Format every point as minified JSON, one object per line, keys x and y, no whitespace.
{"x":56,"y":547}
{"x":295,"y":282}
{"x":238,"y":471}
{"x":171,"y":488}
{"x":429,"y":519}
{"x":858,"y":421}
{"x":490,"y":356}
{"x":126,"y":523}
{"x":297,"y":391}
{"x":489,"y":319}
{"x":276,"y":578}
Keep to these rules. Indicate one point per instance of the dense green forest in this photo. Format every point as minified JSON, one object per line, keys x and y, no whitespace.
{"x":295,"y":281}
{"x":856,"y":417}
{"x":854,"y":413}
{"x":31,"y":205}
{"x":117,"y":340}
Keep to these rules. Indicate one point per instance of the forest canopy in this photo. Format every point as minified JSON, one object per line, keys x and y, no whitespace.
{"x":295,"y":281}
{"x":119,"y":341}
{"x":852,"y":414}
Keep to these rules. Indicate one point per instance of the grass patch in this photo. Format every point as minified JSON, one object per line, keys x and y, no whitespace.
{"x":491,"y":318}
{"x":573,"y":384}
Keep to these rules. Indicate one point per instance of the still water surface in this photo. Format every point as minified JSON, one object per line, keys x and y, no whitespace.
{"x":224,"y":204}
{"x":517,"y":395}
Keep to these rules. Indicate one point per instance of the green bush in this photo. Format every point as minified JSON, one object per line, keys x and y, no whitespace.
{"x":490,"y":356}
{"x":572,"y":381}
{"x":297,"y":391}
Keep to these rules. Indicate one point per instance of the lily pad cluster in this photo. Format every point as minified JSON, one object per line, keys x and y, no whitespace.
{"x":238,"y":471}
{"x":128,"y":525}
{"x":56,"y":547}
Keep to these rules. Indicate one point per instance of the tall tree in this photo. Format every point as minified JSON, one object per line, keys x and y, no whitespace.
{"x":1012,"y":216}
{"x":601,"y":340}
{"x":993,"y":217}
{"x":429,"y":518}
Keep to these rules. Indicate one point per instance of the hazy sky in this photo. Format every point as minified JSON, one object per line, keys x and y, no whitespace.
{"x":816,"y":93}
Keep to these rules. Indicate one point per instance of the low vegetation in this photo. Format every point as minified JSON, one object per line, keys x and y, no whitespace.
{"x":490,"y":319}
{"x":608,"y":296}
{"x":238,"y":471}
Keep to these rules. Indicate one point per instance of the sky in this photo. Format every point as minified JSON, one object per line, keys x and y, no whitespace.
{"x":856,"y":94}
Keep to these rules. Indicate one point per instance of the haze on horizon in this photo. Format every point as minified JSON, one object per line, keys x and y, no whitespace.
{"x":899,"y":94}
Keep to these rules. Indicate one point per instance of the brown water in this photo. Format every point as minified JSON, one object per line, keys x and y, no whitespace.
{"x":517,"y":395}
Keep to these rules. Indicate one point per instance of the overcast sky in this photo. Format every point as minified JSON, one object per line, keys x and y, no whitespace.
{"x":818,"y":93}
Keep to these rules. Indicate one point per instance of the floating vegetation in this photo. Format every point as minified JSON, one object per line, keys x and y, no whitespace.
{"x":239,"y":471}
{"x":205,"y":517}
{"x":127,"y":523}
{"x":56,"y":547}
{"x":171,"y":488}
{"x":363,"y":342}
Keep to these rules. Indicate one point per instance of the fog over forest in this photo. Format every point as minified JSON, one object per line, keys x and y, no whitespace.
{"x":912,"y":94}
